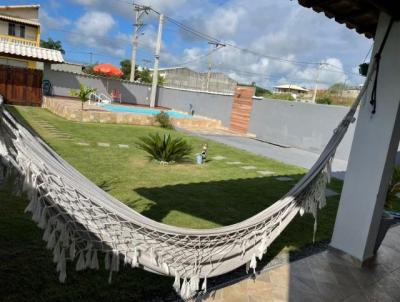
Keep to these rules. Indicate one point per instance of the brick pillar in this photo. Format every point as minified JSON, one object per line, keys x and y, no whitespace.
{"x":241,"y":109}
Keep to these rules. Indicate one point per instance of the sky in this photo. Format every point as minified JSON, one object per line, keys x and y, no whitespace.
{"x":288,"y":42}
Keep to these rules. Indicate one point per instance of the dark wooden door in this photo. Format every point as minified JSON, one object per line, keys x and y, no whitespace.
{"x":241,"y":109}
{"x":21,"y":86}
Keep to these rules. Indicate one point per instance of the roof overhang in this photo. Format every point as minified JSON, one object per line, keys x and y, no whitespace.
{"x":361,"y":15}
{"x":30,"y":52}
{"x":20,"y":20}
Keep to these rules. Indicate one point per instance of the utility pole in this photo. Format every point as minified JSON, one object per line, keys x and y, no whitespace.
{"x":216,"y":45}
{"x":156,"y":62}
{"x":316,"y":83}
{"x":140,"y":10}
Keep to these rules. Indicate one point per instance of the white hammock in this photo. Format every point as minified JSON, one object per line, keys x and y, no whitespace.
{"x":79,"y":219}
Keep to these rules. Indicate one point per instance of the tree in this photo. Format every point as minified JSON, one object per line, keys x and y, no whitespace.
{"x":262,"y":92}
{"x":145,"y":76}
{"x":337,"y":88}
{"x":83,"y":93}
{"x":51,"y":44}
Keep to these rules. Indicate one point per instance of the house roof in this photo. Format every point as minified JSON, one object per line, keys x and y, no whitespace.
{"x":30,"y":52}
{"x":293,"y":87}
{"x":20,"y":20}
{"x":361,"y":15}
{"x":19,"y":6}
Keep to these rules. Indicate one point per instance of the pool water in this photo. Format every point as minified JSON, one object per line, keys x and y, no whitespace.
{"x":143,"y":111}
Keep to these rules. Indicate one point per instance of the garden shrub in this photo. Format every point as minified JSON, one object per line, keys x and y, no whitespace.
{"x":165,"y":148}
{"x":164,"y":121}
{"x":324,"y":100}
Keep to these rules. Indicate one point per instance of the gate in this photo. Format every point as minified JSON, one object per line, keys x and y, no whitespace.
{"x":241,"y":109}
{"x":21,"y":86}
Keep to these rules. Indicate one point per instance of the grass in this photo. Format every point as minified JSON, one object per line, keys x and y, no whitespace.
{"x":188,"y":195}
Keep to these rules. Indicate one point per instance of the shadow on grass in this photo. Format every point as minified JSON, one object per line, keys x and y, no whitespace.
{"x":220,"y":202}
{"x":231,"y":201}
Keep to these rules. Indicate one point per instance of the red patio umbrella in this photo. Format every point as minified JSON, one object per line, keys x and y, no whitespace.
{"x":108,"y":69}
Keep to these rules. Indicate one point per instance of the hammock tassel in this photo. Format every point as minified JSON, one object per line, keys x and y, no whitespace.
{"x":43,"y":219}
{"x":204,"y":285}
{"x":177,"y":283}
{"x":107,"y":261}
{"x":52,"y":240}
{"x":253,"y":263}
{"x":165,"y":268}
{"x":115,"y":262}
{"x":60,"y":260}
{"x":88,"y":260}
{"x":153,"y":257}
{"x":62,"y":267}
{"x":185,"y":289}
{"x":32,"y":203}
{"x":80,"y":265}
{"x":46,"y":233}
{"x":72,"y":250}
{"x":56,"y":252}
{"x":135,"y":257}
{"x":95,"y":262}
{"x":262,"y":248}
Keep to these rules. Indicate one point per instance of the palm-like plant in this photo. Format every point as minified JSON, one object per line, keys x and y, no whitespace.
{"x":83,"y":93}
{"x":165,"y":148}
{"x":394,"y":190}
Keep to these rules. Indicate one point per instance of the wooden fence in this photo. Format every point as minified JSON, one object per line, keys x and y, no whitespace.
{"x":21,"y":86}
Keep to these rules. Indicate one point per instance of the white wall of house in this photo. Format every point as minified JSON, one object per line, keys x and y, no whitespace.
{"x":372,"y":156}
{"x":31,"y":13}
{"x":30,"y":31}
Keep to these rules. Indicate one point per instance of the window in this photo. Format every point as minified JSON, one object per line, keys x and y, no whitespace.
{"x":11,"y":29}
{"x":22,"y":31}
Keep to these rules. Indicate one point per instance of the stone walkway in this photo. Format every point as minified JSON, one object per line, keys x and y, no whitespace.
{"x":326,"y":276}
{"x":53,"y":131}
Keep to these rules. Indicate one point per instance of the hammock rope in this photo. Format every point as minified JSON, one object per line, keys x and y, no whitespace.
{"x":80,"y":221}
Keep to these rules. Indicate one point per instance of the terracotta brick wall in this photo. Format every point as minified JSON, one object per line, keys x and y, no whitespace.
{"x":241,"y":109}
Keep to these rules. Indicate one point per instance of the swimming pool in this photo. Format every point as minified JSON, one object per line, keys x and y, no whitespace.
{"x":143,"y":111}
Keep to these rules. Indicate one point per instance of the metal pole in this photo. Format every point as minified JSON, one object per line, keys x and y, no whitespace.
{"x":316,"y":84}
{"x":156,"y":63}
{"x":209,"y":69}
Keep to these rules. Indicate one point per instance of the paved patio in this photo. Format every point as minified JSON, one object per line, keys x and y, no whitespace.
{"x":289,"y":155}
{"x":327,"y":276}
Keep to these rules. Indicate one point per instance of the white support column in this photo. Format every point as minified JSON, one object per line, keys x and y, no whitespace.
{"x":372,"y":156}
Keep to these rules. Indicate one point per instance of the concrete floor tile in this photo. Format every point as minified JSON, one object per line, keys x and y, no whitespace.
{"x":105,"y":145}
{"x":218,"y":157}
{"x":249,"y":167}
{"x":265,"y":173}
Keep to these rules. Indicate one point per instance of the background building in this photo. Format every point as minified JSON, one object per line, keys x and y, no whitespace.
{"x":19,"y":25}
{"x":183,"y":77}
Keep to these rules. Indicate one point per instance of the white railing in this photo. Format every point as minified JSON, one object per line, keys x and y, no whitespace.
{"x":100,"y":98}
{"x":18,"y":41}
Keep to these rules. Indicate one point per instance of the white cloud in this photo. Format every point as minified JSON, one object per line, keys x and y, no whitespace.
{"x":274,"y":28}
{"x":96,"y":30}
{"x":49,"y":22}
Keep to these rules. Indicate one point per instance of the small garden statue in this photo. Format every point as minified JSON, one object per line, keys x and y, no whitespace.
{"x":201,"y":158}
{"x":204,"y":153}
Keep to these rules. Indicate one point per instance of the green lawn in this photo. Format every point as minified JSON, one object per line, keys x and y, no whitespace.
{"x":207,"y":196}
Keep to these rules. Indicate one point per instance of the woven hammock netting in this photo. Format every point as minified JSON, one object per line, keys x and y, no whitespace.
{"x":80,"y":222}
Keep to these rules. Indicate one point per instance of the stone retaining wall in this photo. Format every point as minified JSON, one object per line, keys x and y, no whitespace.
{"x":71,"y":110}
